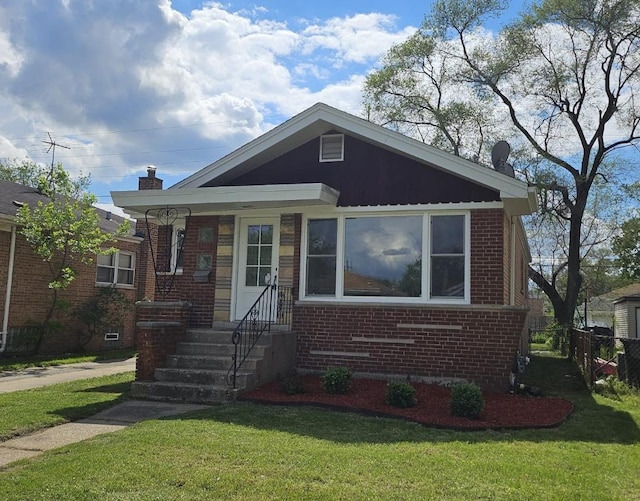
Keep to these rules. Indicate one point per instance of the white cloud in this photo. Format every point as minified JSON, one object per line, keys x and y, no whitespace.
{"x":355,"y":39}
{"x":179,"y":91}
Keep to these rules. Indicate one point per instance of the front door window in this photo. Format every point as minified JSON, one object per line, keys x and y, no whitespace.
{"x":259,"y":255}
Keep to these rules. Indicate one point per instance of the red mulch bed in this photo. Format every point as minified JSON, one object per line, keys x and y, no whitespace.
{"x":367,"y":396}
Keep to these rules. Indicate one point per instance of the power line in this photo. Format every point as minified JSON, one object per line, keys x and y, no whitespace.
{"x":146,"y":129}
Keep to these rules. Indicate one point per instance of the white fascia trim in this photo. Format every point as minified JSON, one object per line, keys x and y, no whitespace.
{"x":445,"y":208}
{"x":226,"y":198}
{"x":344,"y":122}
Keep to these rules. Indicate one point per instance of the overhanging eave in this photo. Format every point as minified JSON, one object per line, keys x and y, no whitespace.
{"x":221,"y":199}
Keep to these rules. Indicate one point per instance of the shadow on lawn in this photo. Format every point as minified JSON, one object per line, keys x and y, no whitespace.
{"x":591,"y":421}
{"x":121,"y":392}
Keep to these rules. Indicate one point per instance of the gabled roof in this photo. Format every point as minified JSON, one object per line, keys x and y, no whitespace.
{"x":321,"y":119}
{"x":15,"y":195}
{"x":605,"y":302}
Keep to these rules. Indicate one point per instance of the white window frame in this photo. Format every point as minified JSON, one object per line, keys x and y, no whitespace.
{"x":115,"y":266}
{"x":331,"y":136}
{"x":424,"y":298}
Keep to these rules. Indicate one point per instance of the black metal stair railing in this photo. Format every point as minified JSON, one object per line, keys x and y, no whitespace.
{"x":273,"y":307}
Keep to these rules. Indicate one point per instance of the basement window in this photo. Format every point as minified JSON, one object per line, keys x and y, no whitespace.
{"x":332,"y":148}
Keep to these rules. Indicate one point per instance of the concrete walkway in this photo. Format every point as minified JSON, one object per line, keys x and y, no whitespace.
{"x":113,"y":419}
{"x":35,"y":377}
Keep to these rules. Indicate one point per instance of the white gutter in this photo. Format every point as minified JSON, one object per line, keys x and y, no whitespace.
{"x":7,"y":297}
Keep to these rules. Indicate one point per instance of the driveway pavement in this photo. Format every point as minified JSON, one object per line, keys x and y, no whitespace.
{"x":113,"y":419}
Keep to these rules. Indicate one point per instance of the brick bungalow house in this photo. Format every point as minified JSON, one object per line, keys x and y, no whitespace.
{"x":403,"y":260}
{"x":24,"y":280}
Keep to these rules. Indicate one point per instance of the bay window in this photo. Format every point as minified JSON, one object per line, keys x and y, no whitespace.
{"x":413,"y":257}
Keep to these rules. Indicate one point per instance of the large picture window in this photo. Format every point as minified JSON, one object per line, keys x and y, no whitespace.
{"x":414,"y":257}
{"x":115,"y":269}
{"x":383,"y":256}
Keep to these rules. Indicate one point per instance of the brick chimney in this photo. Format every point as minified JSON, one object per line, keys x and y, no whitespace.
{"x":151,"y":182}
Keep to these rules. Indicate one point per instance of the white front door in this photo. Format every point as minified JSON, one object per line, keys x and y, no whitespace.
{"x":257,"y":260}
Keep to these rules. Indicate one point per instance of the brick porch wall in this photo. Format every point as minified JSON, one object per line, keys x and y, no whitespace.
{"x":473,"y":343}
{"x":201,"y":240}
{"x":160,"y":326}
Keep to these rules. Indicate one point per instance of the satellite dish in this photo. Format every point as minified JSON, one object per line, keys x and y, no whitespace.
{"x":499,"y":155}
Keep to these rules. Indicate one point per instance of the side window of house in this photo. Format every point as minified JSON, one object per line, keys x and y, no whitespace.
{"x":447,"y":256}
{"x":321,"y":256}
{"x":115,"y":269}
{"x":177,"y":244}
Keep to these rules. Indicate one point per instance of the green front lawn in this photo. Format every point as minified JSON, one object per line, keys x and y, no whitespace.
{"x":23,"y":412}
{"x":247,"y":451}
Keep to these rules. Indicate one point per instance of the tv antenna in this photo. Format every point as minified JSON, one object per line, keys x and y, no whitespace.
{"x":499,"y":155}
{"x":52,"y":148}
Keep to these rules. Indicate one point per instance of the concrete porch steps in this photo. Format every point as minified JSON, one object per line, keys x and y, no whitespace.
{"x":197,"y":372}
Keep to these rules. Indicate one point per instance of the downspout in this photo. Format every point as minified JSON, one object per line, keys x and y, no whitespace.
{"x":7,"y":296}
{"x":512,"y":272}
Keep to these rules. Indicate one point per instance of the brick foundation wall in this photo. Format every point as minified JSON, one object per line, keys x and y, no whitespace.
{"x":160,"y":326}
{"x":472,"y":343}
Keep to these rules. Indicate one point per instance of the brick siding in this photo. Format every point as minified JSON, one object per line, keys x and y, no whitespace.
{"x":31,"y":296}
{"x":201,"y":291}
{"x":473,"y":343}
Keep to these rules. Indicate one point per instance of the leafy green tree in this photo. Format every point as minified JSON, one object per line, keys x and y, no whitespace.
{"x":64,"y":230}
{"x":23,"y":172}
{"x":561,"y":83}
{"x":626,"y":246}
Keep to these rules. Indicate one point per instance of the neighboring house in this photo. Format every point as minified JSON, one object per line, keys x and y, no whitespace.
{"x":602,"y":310}
{"x":627,"y":314}
{"x":538,"y":320}
{"x":24,"y":279}
{"x":404,"y":260}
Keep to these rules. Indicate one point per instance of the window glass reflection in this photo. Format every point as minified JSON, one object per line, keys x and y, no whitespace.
{"x":383,"y":256}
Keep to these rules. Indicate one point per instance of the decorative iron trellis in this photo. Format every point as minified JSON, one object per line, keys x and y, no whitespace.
{"x":161,"y":255}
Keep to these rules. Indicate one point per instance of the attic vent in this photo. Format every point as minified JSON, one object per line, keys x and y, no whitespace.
{"x":332,"y":148}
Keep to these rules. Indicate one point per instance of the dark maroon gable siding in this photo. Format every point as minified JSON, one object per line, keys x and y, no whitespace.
{"x":368,"y":176}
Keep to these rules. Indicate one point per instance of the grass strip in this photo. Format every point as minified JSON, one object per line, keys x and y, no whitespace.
{"x":19,"y":363}
{"x":24,"y":412}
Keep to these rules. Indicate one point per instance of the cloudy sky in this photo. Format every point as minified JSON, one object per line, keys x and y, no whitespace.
{"x":177,"y":84}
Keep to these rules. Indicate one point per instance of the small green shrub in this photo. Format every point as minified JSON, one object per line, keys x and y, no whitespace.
{"x":540,"y":338}
{"x":292,"y":384}
{"x":401,"y":394}
{"x":466,"y":400}
{"x":337,"y":380}
{"x":613,"y":388}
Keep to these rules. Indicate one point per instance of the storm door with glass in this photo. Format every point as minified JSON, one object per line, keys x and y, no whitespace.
{"x":257,"y":260}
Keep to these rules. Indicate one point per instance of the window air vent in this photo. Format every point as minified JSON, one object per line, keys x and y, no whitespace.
{"x":332,"y":148}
